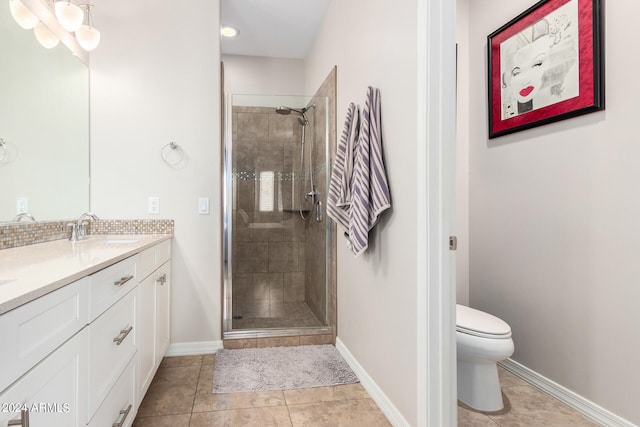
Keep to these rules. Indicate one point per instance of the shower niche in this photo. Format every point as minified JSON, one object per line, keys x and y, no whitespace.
{"x":277,"y":259}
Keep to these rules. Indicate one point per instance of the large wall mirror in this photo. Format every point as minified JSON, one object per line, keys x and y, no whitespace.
{"x":44,"y":123}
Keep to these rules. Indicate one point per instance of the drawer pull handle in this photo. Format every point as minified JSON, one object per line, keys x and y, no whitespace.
{"x":23,"y":421}
{"x":124,"y":413}
{"x":162,"y":279}
{"x":123,"y":280}
{"x":123,"y":334}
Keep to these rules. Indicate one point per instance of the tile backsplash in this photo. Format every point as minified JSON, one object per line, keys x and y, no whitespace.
{"x":132,"y":226}
{"x":21,"y":234}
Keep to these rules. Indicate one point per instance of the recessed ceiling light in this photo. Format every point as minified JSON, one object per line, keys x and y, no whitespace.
{"x":228,"y":31}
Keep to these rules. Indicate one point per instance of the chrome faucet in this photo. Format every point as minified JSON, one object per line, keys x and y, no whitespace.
{"x":79,"y":230}
{"x":21,"y":215}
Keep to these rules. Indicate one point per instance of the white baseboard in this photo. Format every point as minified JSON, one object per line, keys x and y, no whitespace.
{"x":194,"y":348}
{"x":574,"y":400}
{"x":388,"y":409}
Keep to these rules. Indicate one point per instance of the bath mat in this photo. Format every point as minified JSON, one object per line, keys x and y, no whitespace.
{"x":279,"y":368}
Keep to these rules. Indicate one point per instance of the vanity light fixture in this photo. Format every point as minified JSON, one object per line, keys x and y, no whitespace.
{"x":22,"y":15}
{"x":88,"y":37}
{"x":229,"y":31}
{"x":69,"y":15}
{"x":45,"y":36}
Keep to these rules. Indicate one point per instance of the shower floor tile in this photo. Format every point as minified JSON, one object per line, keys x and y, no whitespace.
{"x":273,"y":315}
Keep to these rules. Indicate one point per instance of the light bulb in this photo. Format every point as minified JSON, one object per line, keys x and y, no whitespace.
{"x":22,"y":15}
{"x":45,"y":36}
{"x":88,"y":37}
{"x":228,"y":31}
{"x":69,"y":15}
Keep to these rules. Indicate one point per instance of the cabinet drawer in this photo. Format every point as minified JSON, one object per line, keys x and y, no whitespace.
{"x":111,"y":284}
{"x":152,"y":258}
{"x":112,"y":343}
{"x":163,"y":252}
{"x":146,"y":263}
{"x":32,"y":331}
{"x":119,"y":407}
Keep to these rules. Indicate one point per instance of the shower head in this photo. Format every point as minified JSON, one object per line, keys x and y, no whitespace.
{"x":285,"y":111}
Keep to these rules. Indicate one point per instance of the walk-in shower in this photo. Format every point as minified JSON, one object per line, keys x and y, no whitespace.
{"x":277,"y":241}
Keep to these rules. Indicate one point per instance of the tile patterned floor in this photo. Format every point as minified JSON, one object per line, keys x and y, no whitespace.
{"x":524,"y":406}
{"x":180,"y":396}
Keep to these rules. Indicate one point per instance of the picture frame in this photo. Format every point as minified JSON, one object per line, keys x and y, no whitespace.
{"x":545,"y":65}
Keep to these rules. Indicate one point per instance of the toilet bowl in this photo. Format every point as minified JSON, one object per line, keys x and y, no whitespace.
{"x":482,"y":341}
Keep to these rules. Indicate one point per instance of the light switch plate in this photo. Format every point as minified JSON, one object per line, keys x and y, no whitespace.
{"x":203,"y":206}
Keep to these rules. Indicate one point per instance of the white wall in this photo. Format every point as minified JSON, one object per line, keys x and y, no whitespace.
{"x":375,"y":43}
{"x":155,"y":79}
{"x":259,"y":75}
{"x":555,"y":237}
{"x":462,"y":153}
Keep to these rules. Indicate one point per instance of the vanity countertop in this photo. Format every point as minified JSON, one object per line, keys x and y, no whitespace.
{"x":29,"y":272}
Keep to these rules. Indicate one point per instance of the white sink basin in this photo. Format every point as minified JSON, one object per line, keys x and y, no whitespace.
{"x":6,"y":281}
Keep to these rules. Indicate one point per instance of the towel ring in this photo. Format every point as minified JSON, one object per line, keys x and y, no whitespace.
{"x":168,"y":149}
{"x":3,"y":148}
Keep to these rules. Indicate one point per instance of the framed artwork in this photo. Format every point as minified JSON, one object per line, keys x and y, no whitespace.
{"x":545,"y":65}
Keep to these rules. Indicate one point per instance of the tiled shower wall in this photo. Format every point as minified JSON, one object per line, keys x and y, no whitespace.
{"x":268,"y":234}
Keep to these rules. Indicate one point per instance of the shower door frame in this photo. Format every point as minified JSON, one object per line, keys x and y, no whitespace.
{"x":227,"y":242}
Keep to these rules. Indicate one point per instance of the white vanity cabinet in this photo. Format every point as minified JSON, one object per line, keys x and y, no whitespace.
{"x":73,"y":357}
{"x":54,"y":392}
{"x":113,"y":329}
{"x":153,"y":310}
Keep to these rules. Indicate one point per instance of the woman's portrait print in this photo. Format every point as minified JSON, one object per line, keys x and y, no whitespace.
{"x":539,"y":65}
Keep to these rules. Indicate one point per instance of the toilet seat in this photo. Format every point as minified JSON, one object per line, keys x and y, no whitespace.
{"x":480,"y":324}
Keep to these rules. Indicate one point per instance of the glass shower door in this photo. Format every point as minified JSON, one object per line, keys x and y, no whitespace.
{"x":275,"y":231}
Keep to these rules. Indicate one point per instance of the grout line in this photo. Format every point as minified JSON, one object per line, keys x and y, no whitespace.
{"x":289,"y":412}
{"x":195,"y":392}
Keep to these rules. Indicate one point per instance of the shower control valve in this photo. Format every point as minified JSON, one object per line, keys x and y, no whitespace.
{"x":313,"y":194}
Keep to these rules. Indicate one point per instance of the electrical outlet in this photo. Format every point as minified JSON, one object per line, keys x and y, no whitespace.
{"x":154,"y":205}
{"x":203,"y":206}
{"x":22,"y":205}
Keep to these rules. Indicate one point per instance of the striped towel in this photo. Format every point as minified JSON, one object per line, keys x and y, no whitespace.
{"x":369,"y":187}
{"x":339,"y":197}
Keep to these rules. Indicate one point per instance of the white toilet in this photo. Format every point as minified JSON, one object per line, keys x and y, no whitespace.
{"x":483,"y":340}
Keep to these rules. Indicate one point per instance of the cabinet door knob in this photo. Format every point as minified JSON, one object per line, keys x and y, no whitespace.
{"x":124,"y":414}
{"x":123,"y":334}
{"x":123,"y":280}
{"x":23,"y":421}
